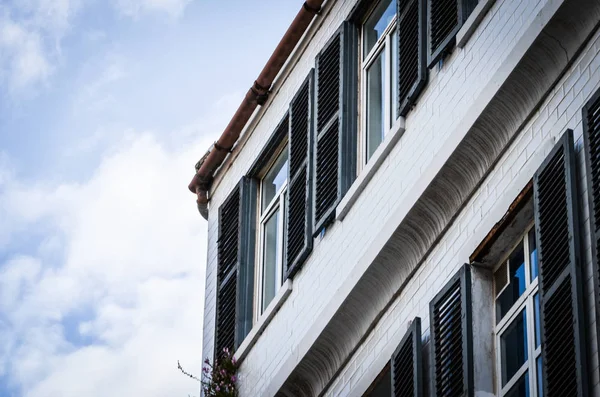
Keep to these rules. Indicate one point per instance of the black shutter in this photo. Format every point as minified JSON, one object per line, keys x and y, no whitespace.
{"x":445,"y":18}
{"x":235,"y":271}
{"x":557,"y":231}
{"x":407,"y":377}
{"x":335,"y":128}
{"x":591,"y":139}
{"x":299,"y":199}
{"x":412,"y":55}
{"x":452,"y":338}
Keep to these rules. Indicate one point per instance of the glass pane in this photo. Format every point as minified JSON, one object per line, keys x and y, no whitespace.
{"x":533,"y":254}
{"x":521,"y":388}
{"x":376,"y":24}
{"x":375,"y":100}
{"x":394,"y":69}
{"x":536,"y":308}
{"x":513,"y":345}
{"x":516,"y":286}
{"x":275,"y":179}
{"x":539,"y":377}
{"x":271,"y":257}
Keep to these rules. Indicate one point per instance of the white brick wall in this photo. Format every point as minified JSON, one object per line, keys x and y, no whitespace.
{"x":445,"y":101}
{"x":487,"y":206}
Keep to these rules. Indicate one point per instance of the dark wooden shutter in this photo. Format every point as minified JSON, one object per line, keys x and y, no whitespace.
{"x":299,"y":199}
{"x":591,"y":139}
{"x":335,"y":128}
{"x":445,"y":18}
{"x":412,"y":52}
{"x":407,"y":377}
{"x":557,"y":231}
{"x":452,"y":338}
{"x":235,"y":271}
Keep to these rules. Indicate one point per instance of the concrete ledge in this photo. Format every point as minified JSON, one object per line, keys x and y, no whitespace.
{"x":467,"y":30}
{"x":263,"y":321}
{"x":370,"y":169}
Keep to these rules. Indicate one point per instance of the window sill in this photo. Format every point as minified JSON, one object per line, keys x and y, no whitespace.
{"x":263,"y":321}
{"x":467,"y":30}
{"x":370,"y":169}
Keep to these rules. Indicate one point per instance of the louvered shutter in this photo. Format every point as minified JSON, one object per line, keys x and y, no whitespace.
{"x":445,"y":18}
{"x":591,"y":139}
{"x":412,"y":47}
{"x":335,"y":128}
{"x":452,"y":339}
{"x":235,"y":271}
{"x":299,"y":199}
{"x":557,"y":231}
{"x":407,"y":377}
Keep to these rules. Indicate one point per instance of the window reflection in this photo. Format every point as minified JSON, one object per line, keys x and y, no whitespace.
{"x":270,"y":258}
{"x":514,"y":347}
{"x":274,"y":179}
{"x":533,"y":254}
{"x":375,"y":100}
{"x":376,"y":24}
{"x":516,"y":286}
{"x":521,"y":388}
{"x":394,"y":82}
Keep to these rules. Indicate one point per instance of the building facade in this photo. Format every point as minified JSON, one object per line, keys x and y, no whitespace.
{"x":415,"y":210}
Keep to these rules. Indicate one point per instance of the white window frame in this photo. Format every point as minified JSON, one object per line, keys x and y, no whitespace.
{"x":384,"y":43}
{"x":277,"y":203}
{"x":526,"y":301}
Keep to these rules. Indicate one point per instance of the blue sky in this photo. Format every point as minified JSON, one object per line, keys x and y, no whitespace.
{"x":105,"y":105}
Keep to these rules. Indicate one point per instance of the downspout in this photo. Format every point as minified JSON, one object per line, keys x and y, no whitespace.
{"x":257,"y":95}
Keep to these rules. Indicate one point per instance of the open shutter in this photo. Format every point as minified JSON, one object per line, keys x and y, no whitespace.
{"x":407,"y":379}
{"x":591,"y":139}
{"x":452,"y":338}
{"x":557,"y":231}
{"x":335,"y":129}
{"x":235,"y":274}
{"x":445,"y":18}
{"x":412,"y":55}
{"x":299,"y":199}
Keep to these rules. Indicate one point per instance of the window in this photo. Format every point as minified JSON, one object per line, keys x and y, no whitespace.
{"x":517,"y":330}
{"x":379,"y":75}
{"x":451,"y":338}
{"x":335,"y":138}
{"x":445,"y":17}
{"x":273,"y":191}
{"x":235,"y":270}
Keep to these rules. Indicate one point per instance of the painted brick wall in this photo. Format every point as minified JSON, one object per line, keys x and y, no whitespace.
{"x":449,"y":93}
{"x":560,"y":111}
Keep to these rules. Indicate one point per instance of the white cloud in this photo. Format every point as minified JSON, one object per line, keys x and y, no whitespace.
{"x":123,"y":301}
{"x":32,"y":31}
{"x":133,"y":8}
{"x":22,"y":58}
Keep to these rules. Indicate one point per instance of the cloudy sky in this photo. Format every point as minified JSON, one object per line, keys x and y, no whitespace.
{"x":105,"y":106}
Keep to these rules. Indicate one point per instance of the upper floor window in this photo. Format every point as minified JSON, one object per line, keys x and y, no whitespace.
{"x":379,"y":76}
{"x":518,"y":347}
{"x":271,"y":230}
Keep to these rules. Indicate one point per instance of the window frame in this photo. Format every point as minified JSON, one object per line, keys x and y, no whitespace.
{"x":526,"y":302}
{"x":384,"y":44}
{"x":277,"y":203}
